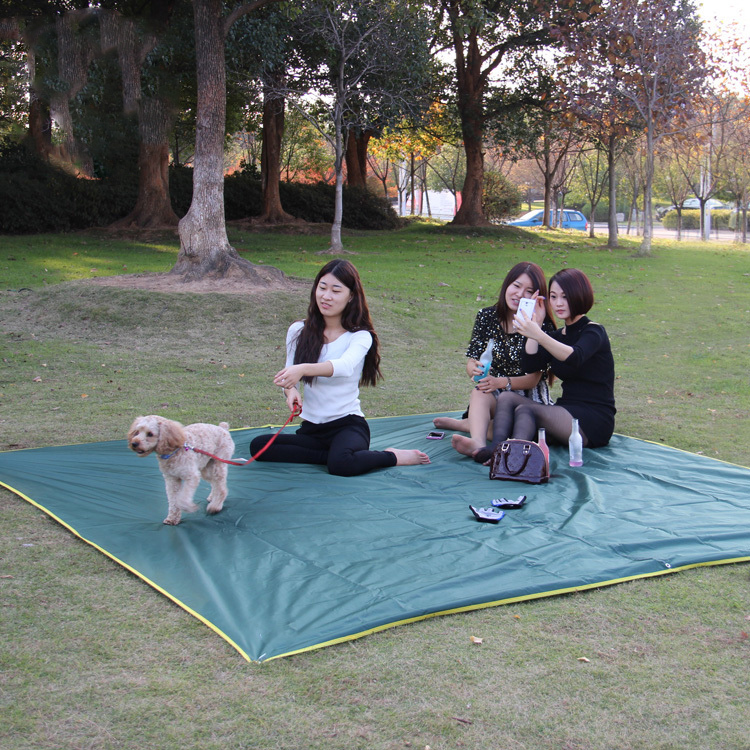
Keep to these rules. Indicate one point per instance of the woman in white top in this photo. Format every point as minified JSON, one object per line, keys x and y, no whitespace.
{"x":331,"y":353}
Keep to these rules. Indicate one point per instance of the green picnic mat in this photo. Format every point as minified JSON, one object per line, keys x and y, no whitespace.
{"x":299,"y":559}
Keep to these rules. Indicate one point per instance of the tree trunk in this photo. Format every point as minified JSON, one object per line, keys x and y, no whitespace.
{"x":648,"y":224}
{"x":471,"y":113}
{"x":356,"y":158}
{"x":612,"y":228}
{"x":153,"y":208}
{"x":471,"y":212}
{"x":204,"y":246}
{"x":270,"y":159}
{"x":337,"y":246}
{"x":40,"y":120}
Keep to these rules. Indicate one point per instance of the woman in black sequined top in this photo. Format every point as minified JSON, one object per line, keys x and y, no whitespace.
{"x":506,"y":372}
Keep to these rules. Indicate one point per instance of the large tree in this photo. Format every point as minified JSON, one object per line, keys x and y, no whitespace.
{"x":204,"y":246}
{"x":497,"y":48}
{"x":141,"y":41}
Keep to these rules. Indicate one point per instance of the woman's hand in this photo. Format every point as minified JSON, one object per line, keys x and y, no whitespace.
{"x":531,"y":327}
{"x":491,"y":383}
{"x":293,"y":399}
{"x":473,"y":367}
{"x":289,"y":376}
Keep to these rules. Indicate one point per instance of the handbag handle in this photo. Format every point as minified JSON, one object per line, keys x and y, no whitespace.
{"x":505,"y":452}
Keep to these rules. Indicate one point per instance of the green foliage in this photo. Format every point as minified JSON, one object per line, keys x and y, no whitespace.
{"x":691,"y":219}
{"x":500,"y":197}
{"x":37,"y":197}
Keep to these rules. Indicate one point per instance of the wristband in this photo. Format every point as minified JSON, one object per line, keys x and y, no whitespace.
{"x":508,"y":386}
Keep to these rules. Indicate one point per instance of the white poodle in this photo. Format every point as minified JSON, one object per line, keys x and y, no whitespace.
{"x":181,"y":466}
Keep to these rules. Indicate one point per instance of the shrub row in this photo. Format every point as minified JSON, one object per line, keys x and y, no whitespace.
{"x":36,"y":197}
{"x":691,"y":219}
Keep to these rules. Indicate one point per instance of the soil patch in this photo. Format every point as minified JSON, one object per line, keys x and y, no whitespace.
{"x":171,"y":283}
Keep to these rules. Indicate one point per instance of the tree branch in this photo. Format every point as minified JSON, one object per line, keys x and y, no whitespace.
{"x":243,"y":10}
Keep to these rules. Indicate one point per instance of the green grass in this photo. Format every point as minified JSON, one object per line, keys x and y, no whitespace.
{"x":91,"y":657}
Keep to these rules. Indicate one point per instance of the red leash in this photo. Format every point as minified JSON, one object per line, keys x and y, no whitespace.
{"x":295,"y":413}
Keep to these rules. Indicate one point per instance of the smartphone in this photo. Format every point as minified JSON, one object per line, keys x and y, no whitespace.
{"x":527,"y":305}
{"x":501,"y":502}
{"x":435,"y":435}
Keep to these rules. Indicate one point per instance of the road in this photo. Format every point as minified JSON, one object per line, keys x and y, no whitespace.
{"x":688,"y":235}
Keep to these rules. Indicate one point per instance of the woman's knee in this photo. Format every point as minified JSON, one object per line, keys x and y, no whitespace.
{"x":343,"y":466}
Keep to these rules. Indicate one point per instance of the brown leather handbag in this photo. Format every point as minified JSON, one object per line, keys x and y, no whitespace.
{"x":520,"y":460}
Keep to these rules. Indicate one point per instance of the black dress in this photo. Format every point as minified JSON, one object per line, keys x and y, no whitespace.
{"x":587,"y":375}
{"x":506,"y":353}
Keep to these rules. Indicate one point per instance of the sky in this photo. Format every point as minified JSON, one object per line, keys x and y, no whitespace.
{"x":726,"y":11}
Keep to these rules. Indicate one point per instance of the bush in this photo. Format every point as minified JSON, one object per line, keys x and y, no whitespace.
{"x":691,"y":219}
{"x":500,"y":197}
{"x":37,"y":197}
{"x":309,"y":202}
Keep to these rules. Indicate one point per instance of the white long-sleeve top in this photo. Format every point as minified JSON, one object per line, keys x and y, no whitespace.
{"x":329,"y":398}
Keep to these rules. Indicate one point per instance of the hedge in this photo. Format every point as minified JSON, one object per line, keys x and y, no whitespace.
{"x":691,"y":219}
{"x":36,"y":197}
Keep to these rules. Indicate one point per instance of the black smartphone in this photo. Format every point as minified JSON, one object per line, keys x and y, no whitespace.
{"x":435,"y":435}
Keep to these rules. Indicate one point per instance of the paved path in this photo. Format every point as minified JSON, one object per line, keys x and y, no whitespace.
{"x":688,"y":235}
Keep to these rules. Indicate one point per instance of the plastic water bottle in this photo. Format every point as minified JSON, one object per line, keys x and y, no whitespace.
{"x":486,"y":361}
{"x":541,"y":440}
{"x":575,"y":445}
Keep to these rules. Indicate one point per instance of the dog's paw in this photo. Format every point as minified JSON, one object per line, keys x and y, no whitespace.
{"x":213,"y":508}
{"x":171,"y":520}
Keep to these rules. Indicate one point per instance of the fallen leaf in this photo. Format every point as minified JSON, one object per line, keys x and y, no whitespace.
{"x":476,"y":640}
{"x":37,"y":379}
{"x":584,"y":659}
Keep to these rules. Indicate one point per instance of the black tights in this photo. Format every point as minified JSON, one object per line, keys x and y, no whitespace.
{"x":519,"y":417}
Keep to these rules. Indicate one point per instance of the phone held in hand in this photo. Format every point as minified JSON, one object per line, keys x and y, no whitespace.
{"x":526,"y":305}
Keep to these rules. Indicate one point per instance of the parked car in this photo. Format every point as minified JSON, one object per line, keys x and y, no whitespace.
{"x":570,"y":220}
{"x":691,"y":204}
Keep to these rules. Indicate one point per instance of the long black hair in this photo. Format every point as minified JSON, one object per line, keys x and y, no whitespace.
{"x":356,"y":317}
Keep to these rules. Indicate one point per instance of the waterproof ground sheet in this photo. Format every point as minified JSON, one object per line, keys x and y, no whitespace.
{"x":299,"y":559}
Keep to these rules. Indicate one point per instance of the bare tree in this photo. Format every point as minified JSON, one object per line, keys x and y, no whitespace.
{"x":368,"y":61}
{"x":592,"y":169}
{"x":650,"y":54}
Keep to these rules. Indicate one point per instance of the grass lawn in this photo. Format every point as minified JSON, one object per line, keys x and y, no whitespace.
{"x":91,"y":657}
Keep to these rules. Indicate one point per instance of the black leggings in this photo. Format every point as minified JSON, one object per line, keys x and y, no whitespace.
{"x":519,"y":417}
{"x":342,"y":445}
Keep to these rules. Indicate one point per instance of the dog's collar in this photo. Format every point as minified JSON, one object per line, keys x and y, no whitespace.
{"x":166,"y":456}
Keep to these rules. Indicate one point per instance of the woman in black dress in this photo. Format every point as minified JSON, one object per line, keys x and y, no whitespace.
{"x":579,"y":354}
{"x":506,"y":373}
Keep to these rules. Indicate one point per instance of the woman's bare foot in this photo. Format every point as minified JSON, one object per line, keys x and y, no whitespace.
{"x":450,"y":423}
{"x":409,"y":457}
{"x":464,"y":445}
